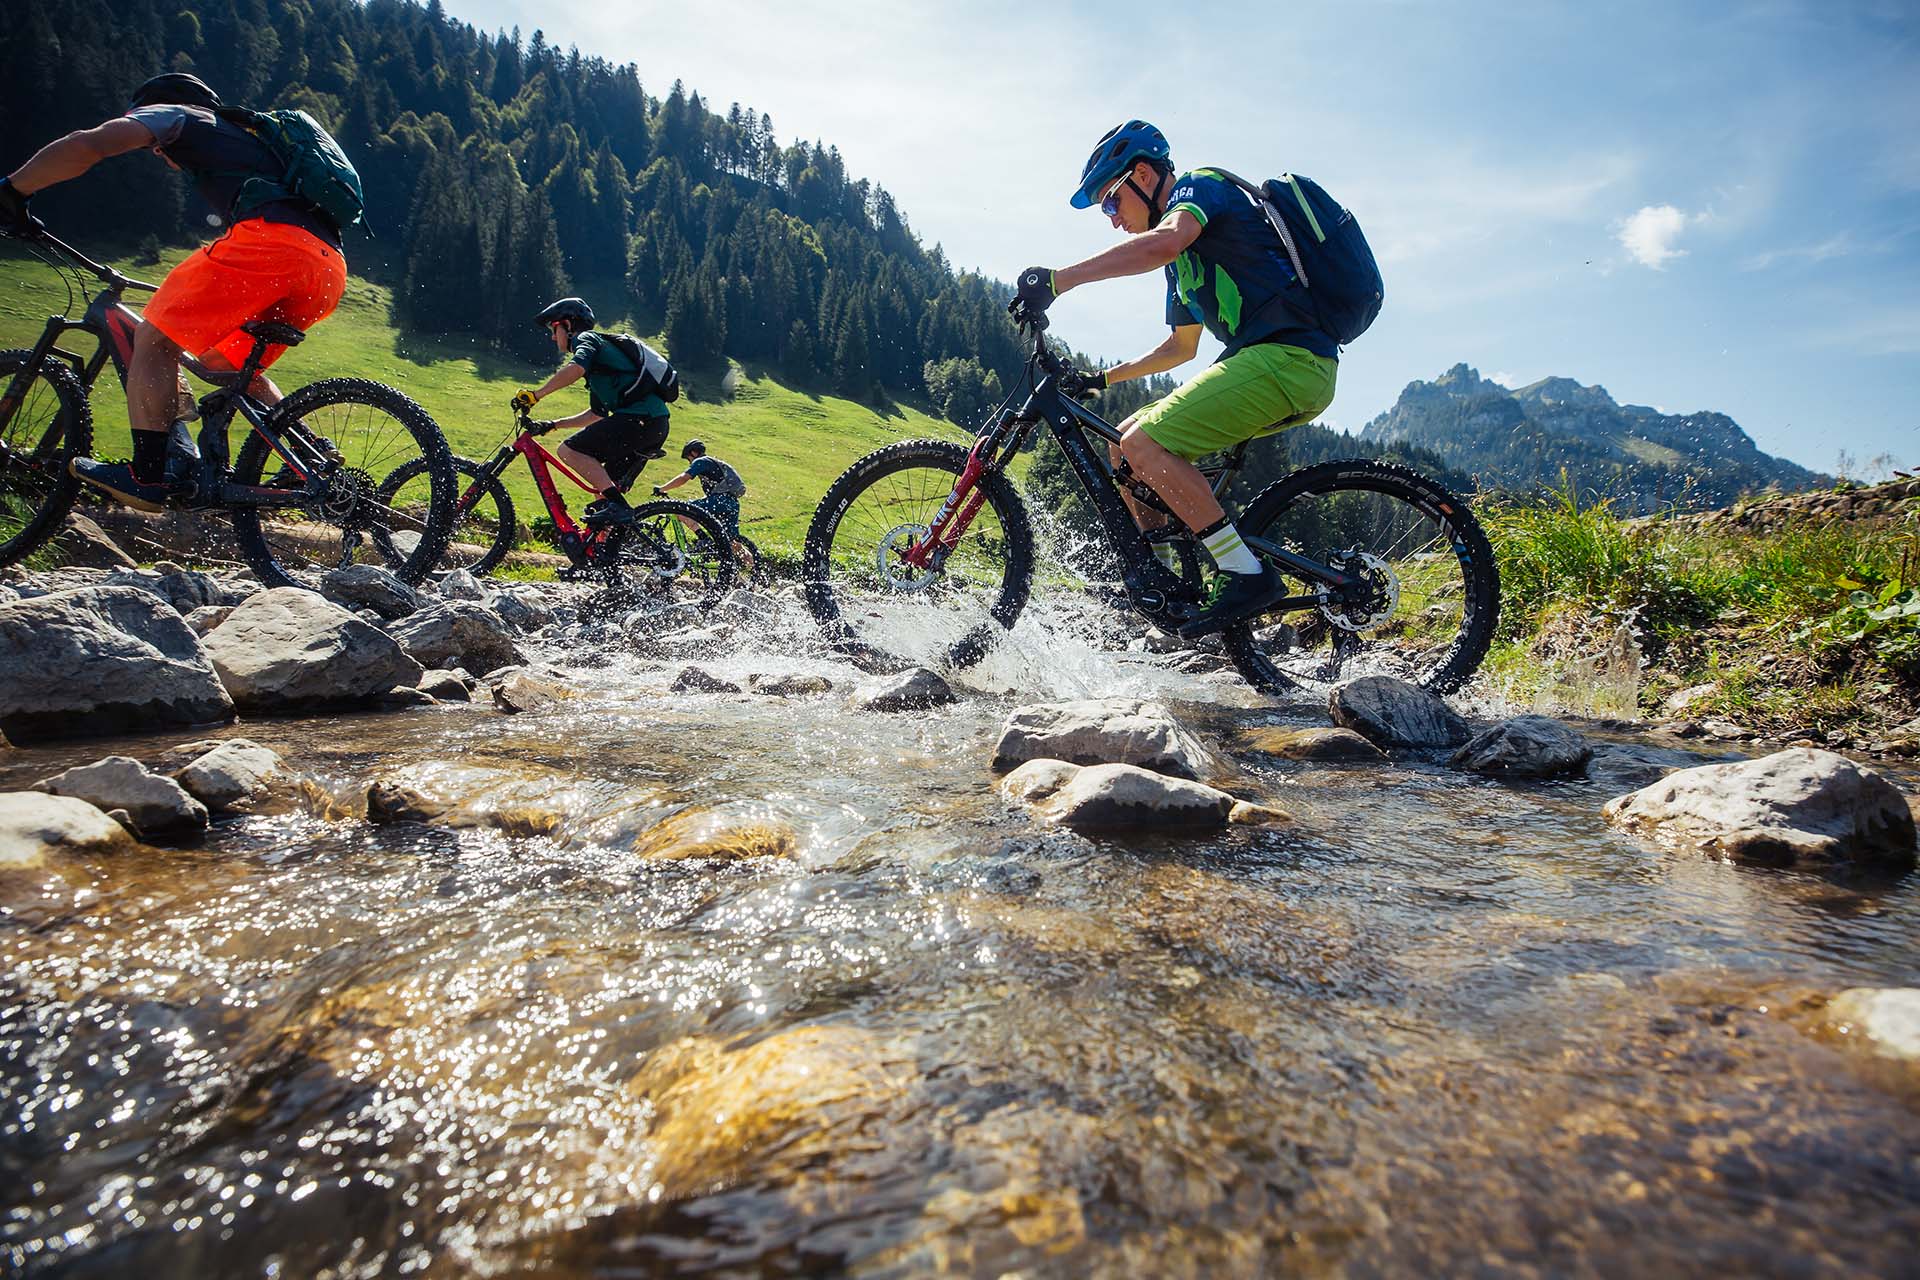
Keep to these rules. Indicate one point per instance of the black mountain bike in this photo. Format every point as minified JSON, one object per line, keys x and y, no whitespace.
{"x":927,"y":540}
{"x":303,"y":493}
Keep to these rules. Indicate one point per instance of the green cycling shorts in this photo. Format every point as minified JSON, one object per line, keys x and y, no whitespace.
{"x":1253,"y":392}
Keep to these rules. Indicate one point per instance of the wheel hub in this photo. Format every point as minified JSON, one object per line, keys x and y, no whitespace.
{"x":1373,"y":603}
{"x":890,"y":558}
{"x":348,"y":498}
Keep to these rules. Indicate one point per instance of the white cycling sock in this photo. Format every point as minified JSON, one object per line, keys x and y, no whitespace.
{"x":1228,"y":551}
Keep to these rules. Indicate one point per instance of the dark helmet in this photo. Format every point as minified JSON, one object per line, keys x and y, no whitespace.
{"x":177,"y":88}
{"x":1118,"y":149}
{"x":574,"y":311}
{"x":694,"y":449}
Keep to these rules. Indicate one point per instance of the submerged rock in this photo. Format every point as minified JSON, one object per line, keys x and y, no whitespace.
{"x":915,"y":690}
{"x":289,"y":650}
{"x":697,"y":680}
{"x":1801,"y":805}
{"x":717,"y":834}
{"x":1393,"y":713}
{"x":1323,"y":745}
{"x":525,"y":691}
{"x":102,"y":660}
{"x":790,"y":686}
{"x":1526,"y":747}
{"x":1113,"y":731}
{"x":1245,"y":813}
{"x":33,"y":824}
{"x":234,"y":776}
{"x":446,"y":686}
{"x":157,"y":805}
{"x":1884,"y":1021}
{"x":463,"y":629}
{"x":389,"y":801}
{"x":1124,"y":796}
{"x":1037,"y":779}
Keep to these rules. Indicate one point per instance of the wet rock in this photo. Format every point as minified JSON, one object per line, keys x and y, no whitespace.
{"x":367,"y":586}
{"x":371,"y":618}
{"x":1245,"y":813}
{"x":914,"y":690}
{"x":696,"y":680}
{"x":1154,"y":640}
{"x":522,"y":608}
{"x":1200,"y":664}
{"x":183,"y":589}
{"x":83,"y":543}
{"x":473,"y":633}
{"x":157,"y":804}
{"x":1526,"y":747}
{"x":208,"y":616}
{"x":102,"y":660}
{"x":400,"y":697}
{"x":527,"y":691}
{"x":234,"y":776}
{"x":1113,"y":731}
{"x":389,"y":802}
{"x":716,"y":834}
{"x":1124,"y":796}
{"x":790,"y":686}
{"x":33,"y":824}
{"x":459,"y":585}
{"x":1796,"y":806}
{"x":1322,"y":745}
{"x":1037,"y":779}
{"x":1393,"y":713}
{"x":445,"y":686}
{"x":1725,"y":731}
{"x":289,"y":650}
{"x":1883,"y":1021}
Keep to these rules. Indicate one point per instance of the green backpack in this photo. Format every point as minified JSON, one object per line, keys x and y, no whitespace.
{"x":317,"y":170}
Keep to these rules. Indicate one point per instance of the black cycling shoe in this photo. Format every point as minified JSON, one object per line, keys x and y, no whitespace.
{"x":116,"y":479}
{"x":1235,"y":597}
{"x":605,"y":511}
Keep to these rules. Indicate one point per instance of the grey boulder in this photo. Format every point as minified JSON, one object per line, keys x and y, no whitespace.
{"x":33,"y":824}
{"x":289,"y":650}
{"x":1093,"y":731}
{"x":521,"y":608}
{"x":463,"y":629}
{"x":446,"y":686}
{"x":1393,"y":713}
{"x":234,"y":776}
{"x":83,"y":543}
{"x":102,"y":660}
{"x":460,"y":585}
{"x":184,"y":589}
{"x":368,"y":586}
{"x":1526,"y":747}
{"x":157,"y":804}
{"x":916,"y":690}
{"x":1800,"y":805}
{"x":699,"y":680}
{"x":1122,"y":796}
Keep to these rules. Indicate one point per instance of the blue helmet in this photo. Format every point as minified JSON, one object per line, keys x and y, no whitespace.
{"x":1122,"y":145}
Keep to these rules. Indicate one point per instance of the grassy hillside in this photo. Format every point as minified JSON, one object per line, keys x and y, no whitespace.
{"x":788,"y":444}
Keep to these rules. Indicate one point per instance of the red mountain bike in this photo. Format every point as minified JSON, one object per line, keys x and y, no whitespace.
{"x":650,"y":549}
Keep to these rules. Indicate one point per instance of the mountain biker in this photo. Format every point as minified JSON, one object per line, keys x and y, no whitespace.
{"x":723,"y":490}
{"x":1227,"y":272}
{"x":614,"y":441}
{"x":279,"y":259}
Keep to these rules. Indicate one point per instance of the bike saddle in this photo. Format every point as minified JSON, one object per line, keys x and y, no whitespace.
{"x":280,"y":335}
{"x":651,"y":454}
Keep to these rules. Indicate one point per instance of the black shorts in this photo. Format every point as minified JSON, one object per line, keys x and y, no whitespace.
{"x":620,"y":443}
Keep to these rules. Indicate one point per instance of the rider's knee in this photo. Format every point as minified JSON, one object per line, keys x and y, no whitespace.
{"x":149,"y":341}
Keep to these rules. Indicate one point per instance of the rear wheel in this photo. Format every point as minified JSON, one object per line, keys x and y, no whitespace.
{"x":48,"y":427}
{"x":668,"y":554}
{"x":370,"y":431}
{"x":1432,"y":594}
{"x":484,"y":527}
{"x":863,"y":591}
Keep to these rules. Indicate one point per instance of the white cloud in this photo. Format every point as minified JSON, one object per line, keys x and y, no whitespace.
{"x":1832,"y":247}
{"x":1505,"y":379}
{"x":1649,"y":235}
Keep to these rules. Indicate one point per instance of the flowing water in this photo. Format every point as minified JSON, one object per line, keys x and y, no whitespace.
{"x":1436,"y":1025}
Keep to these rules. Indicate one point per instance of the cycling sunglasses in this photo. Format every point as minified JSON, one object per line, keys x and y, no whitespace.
{"x":1110,"y":202}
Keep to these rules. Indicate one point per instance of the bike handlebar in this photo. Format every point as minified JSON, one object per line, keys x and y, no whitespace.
{"x":102,"y":272}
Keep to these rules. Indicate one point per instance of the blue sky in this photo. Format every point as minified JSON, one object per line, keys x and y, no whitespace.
{"x":1698,"y":205}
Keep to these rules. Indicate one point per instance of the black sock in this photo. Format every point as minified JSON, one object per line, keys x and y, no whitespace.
{"x":149,"y":456}
{"x":614,"y":497}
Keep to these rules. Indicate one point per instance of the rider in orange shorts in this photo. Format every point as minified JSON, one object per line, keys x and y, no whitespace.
{"x":279,"y":259}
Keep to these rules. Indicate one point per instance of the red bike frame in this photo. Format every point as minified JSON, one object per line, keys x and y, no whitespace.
{"x":588,"y":542}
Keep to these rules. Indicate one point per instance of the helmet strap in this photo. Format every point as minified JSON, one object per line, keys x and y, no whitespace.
{"x":1154,"y":211}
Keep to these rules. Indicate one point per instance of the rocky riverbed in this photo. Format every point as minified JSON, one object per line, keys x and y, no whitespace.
{"x":485,"y":929}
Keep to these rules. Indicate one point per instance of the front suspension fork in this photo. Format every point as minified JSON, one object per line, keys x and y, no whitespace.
{"x":959,"y":510}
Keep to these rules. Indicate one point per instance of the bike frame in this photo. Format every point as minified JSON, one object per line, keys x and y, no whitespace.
{"x":581,"y":545}
{"x":1152,"y":586}
{"x":112,"y":324}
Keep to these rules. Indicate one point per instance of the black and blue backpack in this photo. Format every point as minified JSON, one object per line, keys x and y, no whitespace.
{"x":1328,"y":251}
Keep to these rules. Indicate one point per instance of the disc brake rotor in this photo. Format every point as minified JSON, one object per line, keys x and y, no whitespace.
{"x":891,"y":559}
{"x":1375,"y":605}
{"x":349,"y":498}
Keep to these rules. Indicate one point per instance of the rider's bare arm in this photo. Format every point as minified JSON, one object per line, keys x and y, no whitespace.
{"x":1148,"y":251}
{"x":585,"y":418}
{"x":569,"y":374}
{"x":67,"y":158}
{"x":1182,"y":344}
{"x":677,"y":481}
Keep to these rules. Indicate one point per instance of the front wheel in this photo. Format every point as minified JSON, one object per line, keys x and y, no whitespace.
{"x":484,"y":526}
{"x":1431,"y":593}
{"x":368,"y":432}
{"x":48,"y":426}
{"x":866,"y":594}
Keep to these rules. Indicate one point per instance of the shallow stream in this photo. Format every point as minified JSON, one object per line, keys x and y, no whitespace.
{"x":1436,"y":1025}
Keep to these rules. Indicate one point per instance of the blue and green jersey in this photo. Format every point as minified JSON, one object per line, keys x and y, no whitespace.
{"x":1235,"y":278}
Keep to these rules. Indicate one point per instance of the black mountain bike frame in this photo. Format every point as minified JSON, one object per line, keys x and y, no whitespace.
{"x":112,"y":324}
{"x":1152,"y":587}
